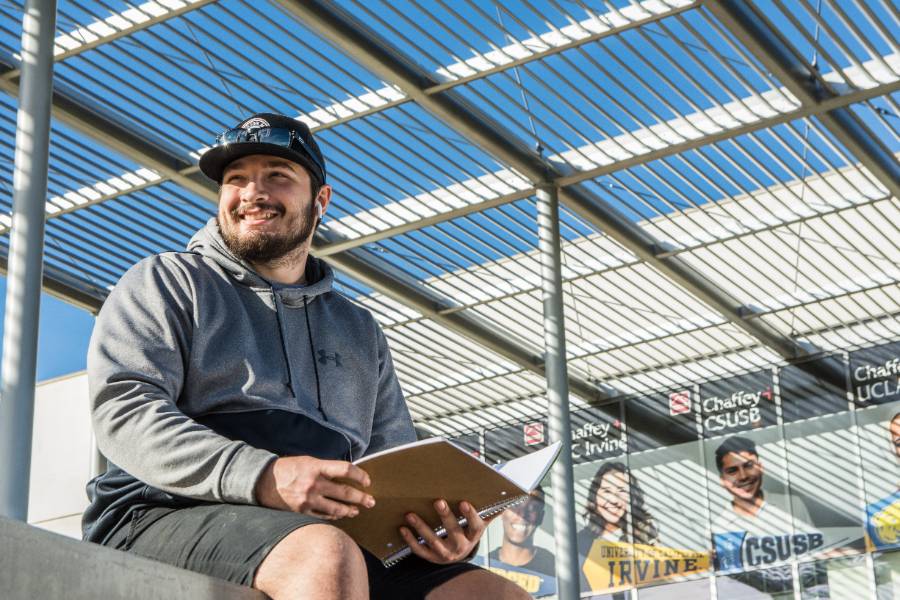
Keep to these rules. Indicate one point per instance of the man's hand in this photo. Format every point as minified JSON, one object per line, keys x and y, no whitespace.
{"x":458,"y":543}
{"x":307,"y":485}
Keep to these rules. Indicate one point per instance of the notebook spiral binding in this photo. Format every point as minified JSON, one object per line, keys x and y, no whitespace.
{"x":487,"y":511}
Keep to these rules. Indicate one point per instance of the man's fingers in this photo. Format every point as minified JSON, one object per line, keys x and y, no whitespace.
{"x":326,"y":508}
{"x":421,"y":528}
{"x":420,"y":550}
{"x":344,"y":493}
{"x":339,"y":469}
{"x":449,"y":520}
{"x":476,"y":525}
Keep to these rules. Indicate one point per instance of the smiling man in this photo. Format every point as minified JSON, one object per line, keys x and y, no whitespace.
{"x":756,"y":534}
{"x":883,"y":515}
{"x":232,"y":388}
{"x":518,"y":558}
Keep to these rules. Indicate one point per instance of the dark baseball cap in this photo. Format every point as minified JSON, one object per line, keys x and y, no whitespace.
{"x":265,"y":133}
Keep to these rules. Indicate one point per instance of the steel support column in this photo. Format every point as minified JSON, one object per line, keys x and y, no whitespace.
{"x":562,"y":478}
{"x":23,"y":292}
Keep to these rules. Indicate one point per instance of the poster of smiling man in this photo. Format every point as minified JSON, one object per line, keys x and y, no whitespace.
{"x":874,"y":376}
{"x":754,"y":533}
{"x":880,"y":450}
{"x":520,"y":557}
{"x":756,"y":529}
{"x":526,"y":533}
{"x":520,"y":541}
{"x":879,"y":437}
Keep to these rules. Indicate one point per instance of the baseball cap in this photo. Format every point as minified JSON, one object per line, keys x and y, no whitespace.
{"x":265,"y":133}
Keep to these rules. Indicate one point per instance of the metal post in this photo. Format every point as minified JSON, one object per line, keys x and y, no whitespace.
{"x":558,"y":393}
{"x":23,"y":293}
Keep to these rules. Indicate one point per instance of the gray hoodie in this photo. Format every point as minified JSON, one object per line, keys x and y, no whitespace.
{"x":201,"y":372}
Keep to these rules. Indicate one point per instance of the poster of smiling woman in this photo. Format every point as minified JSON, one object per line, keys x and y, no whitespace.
{"x":619,"y":545}
{"x":663,"y":494}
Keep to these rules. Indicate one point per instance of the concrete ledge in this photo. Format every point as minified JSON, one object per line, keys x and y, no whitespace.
{"x":39,"y":564}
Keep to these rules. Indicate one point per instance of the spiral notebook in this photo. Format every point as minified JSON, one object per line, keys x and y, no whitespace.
{"x":410,"y":478}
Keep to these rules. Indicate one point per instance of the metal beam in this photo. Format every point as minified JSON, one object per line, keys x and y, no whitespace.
{"x":372,"y":52}
{"x":650,"y":17}
{"x":57,"y":285}
{"x":340,"y":244}
{"x":785,"y":63}
{"x":140,"y":146}
{"x":638,"y":159}
{"x":802,"y":111}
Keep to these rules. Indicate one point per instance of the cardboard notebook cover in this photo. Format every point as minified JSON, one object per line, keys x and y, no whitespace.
{"x":410,"y":478}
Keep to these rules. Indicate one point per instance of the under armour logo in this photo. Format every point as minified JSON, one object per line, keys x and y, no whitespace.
{"x":325,"y":356}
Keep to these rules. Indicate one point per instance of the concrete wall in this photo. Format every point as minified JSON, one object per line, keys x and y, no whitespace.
{"x":40,"y":564}
{"x":61,"y":455}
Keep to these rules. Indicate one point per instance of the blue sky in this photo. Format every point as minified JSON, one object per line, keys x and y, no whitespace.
{"x":63,"y":336}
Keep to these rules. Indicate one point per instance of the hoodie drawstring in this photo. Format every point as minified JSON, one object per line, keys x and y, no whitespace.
{"x":284,"y":352}
{"x":312,"y":350}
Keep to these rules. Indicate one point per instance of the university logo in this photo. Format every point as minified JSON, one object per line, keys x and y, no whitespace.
{"x":886,"y":524}
{"x":680,"y":402}
{"x":533,"y":433}
{"x":325,"y":356}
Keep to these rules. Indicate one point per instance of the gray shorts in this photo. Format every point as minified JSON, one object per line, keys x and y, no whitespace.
{"x":230,"y":541}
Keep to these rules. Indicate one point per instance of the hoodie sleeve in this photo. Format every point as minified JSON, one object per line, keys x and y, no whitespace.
{"x":392,"y":424}
{"x":136,"y":367}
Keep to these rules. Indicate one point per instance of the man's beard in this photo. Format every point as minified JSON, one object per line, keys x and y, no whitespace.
{"x":267,"y":246}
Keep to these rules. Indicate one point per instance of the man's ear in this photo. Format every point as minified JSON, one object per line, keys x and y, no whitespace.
{"x":323,"y":198}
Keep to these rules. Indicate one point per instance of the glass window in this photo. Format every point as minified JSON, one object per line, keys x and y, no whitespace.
{"x":836,"y":579}
{"x":775,"y":583}
{"x":695,"y":590}
{"x":887,"y":575}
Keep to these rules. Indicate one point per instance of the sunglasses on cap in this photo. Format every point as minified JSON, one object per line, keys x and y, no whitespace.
{"x":277,"y":136}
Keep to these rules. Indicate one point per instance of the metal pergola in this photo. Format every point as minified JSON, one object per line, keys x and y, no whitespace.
{"x":726,"y":171}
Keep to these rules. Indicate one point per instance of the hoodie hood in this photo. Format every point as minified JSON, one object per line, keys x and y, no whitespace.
{"x":208,"y":242}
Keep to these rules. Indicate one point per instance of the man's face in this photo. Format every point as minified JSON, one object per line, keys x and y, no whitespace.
{"x":265,"y":207}
{"x":613,"y":497}
{"x":895,"y":435}
{"x":521,"y":521}
{"x":742,"y":474}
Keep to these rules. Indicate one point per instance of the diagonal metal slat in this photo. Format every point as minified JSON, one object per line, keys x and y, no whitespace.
{"x":56,"y":285}
{"x":145,"y":15}
{"x":372,"y":52}
{"x":138,"y":146}
{"x":369,"y":270}
{"x":785,"y":62}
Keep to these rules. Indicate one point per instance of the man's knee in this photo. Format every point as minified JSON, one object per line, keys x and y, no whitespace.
{"x":315,"y":557}
{"x":330,"y":548}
